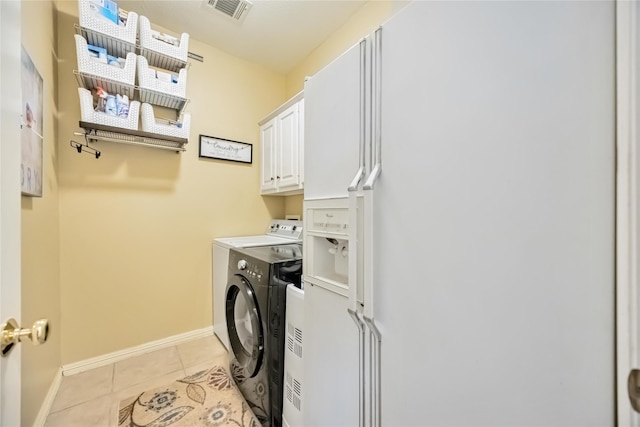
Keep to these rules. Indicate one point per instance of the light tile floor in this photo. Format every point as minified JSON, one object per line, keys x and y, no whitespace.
{"x":91,"y":398}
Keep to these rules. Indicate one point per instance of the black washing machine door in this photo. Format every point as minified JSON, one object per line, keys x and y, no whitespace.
{"x":244,"y":325}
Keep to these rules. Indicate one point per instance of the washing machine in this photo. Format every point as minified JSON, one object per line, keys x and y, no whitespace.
{"x":255,"y":315}
{"x":279,"y":232}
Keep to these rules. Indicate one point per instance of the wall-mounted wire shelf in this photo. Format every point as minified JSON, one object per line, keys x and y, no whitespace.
{"x":119,"y":41}
{"x":95,"y":132}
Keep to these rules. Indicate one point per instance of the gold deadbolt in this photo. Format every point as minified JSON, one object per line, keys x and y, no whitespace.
{"x":12,"y":334}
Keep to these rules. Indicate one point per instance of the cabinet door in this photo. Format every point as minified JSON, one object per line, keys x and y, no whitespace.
{"x":287,"y":165}
{"x":330,"y":368}
{"x":332,"y":126}
{"x":268,"y":141}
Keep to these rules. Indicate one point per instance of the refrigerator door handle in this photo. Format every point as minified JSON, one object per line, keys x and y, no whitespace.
{"x":369,"y":184}
{"x":356,"y":180}
{"x":376,"y":106}
{"x":375,"y":370}
{"x":352,"y":308}
{"x":363,"y":108}
{"x":368,"y":296}
{"x":353,"y":291}
{"x":375,"y":337}
{"x":361,"y":391}
{"x":353,"y":259}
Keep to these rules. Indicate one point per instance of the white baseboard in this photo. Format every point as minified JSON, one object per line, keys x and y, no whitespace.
{"x":48,"y":400}
{"x":107,"y":359}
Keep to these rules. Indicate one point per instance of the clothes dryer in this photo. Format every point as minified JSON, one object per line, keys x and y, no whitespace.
{"x":255,"y":315}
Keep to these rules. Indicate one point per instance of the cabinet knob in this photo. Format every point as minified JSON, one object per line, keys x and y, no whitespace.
{"x":278,"y":177}
{"x":271,"y":178}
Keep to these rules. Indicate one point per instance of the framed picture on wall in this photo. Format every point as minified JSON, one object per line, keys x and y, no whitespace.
{"x":225,"y":149}
{"x":32,"y":128}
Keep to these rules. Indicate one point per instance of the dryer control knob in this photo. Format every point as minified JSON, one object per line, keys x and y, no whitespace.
{"x":242,"y":264}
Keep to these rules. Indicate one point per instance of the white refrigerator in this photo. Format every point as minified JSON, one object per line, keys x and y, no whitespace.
{"x":459,"y":220}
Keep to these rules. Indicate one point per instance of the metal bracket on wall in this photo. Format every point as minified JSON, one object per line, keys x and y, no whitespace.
{"x":84,"y":147}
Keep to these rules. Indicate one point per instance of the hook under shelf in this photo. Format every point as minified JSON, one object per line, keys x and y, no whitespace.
{"x":84,"y":147}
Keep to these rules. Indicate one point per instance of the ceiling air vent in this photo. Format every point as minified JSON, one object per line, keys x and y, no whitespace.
{"x":234,"y":9}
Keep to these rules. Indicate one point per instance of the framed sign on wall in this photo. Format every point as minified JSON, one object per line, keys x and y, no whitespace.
{"x":32,"y":128}
{"x":225,"y":149}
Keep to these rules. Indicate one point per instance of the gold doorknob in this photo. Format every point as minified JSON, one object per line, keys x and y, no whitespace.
{"x":13,"y":334}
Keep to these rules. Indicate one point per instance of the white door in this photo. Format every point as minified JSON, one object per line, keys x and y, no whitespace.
{"x":332,"y":121}
{"x":628,"y":301}
{"x":332,"y":126}
{"x":10,"y":96}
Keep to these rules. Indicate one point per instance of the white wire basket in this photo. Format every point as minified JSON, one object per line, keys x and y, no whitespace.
{"x":88,"y":65}
{"x":147,"y":80}
{"x":150,"y":124}
{"x":88,"y":114}
{"x":104,"y":33}
{"x":161,"y":54}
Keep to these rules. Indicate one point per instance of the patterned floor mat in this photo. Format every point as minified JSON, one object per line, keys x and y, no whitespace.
{"x":206,"y":398}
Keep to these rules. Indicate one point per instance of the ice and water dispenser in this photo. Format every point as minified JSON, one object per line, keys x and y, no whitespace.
{"x":327,"y":256}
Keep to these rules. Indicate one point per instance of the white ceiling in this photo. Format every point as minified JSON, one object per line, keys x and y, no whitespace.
{"x":275,"y":33}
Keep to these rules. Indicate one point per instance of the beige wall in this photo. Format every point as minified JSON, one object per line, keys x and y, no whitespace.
{"x":137,"y":225}
{"x":293,"y":205}
{"x":367,"y":19}
{"x":40,"y":222}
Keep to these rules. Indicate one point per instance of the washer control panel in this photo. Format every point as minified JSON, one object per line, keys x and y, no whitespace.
{"x":251,"y":270}
{"x":288,"y":228}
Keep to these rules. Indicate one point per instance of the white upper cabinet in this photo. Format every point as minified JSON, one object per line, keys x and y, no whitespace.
{"x":267,"y":140}
{"x":289,"y":140}
{"x":281,"y":137}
